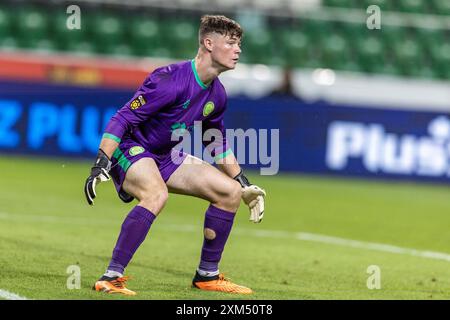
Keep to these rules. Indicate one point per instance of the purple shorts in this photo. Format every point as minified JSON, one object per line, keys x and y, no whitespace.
{"x":130,"y":151}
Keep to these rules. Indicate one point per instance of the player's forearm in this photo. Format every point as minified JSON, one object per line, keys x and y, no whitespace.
{"x":229,"y":165}
{"x":108,"y":146}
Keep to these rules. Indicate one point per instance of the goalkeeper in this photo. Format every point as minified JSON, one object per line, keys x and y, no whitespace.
{"x":137,"y":152}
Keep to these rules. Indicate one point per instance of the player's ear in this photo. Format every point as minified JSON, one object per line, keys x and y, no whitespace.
{"x":208,"y":44}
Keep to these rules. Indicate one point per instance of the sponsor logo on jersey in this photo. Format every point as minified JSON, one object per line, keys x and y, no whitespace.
{"x":138,"y":102}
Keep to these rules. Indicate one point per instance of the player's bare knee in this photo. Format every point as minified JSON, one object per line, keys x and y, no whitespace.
{"x":154,"y":200}
{"x":231,"y":198}
{"x":235,"y":194}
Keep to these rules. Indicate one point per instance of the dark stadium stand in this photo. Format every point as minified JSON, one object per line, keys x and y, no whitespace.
{"x":300,"y":42}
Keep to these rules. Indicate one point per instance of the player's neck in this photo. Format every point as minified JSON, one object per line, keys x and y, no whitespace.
{"x":205,"y":69}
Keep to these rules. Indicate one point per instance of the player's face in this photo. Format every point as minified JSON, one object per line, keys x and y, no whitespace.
{"x":226,"y":51}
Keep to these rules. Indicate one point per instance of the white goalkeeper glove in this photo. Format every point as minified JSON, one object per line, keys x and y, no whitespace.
{"x":253,"y":197}
{"x":99,"y":173}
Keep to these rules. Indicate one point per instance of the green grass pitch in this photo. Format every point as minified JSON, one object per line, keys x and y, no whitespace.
{"x":47,"y":226}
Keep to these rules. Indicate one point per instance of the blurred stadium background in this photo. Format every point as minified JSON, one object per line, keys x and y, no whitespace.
{"x":364,"y":145}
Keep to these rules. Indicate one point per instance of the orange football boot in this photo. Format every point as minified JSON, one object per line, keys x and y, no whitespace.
{"x":113,"y":285}
{"x":219,"y":283}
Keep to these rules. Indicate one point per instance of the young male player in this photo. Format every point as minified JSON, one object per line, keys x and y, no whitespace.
{"x":137,"y":151}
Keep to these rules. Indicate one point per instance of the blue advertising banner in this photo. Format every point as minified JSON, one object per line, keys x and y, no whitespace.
{"x":55,"y":120}
{"x":291,"y":136}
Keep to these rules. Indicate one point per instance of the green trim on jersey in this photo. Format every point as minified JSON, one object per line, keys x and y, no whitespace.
{"x":121,"y":159}
{"x":197,"y":78}
{"x":112,"y":137}
{"x":223,"y":155}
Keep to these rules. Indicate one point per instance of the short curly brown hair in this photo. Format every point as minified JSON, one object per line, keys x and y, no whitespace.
{"x":219,"y":24}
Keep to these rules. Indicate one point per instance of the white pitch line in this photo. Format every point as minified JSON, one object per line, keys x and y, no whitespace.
{"x":314,"y":237}
{"x":274,"y":234}
{"x":10,"y":296}
{"x":372,"y":246}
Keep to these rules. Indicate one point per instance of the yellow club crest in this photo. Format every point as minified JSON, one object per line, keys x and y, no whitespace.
{"x":136,"y":150}
{"x":208,"y":108}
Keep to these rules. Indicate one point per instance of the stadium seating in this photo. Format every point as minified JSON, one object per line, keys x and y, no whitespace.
{"x":33,"y":27}
{"x":410,"y":6}
{"x":304,"y":42}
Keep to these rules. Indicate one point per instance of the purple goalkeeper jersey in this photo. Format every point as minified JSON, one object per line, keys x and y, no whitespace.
{"x":171,"y":97}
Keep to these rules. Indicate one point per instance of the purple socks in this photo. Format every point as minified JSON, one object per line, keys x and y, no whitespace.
{"x":217,"y":228}
{"x":134,"y":230}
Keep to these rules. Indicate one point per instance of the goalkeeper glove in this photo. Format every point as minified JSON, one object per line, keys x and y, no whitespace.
{"x":253,"y":196}
{"x":99,"y":173}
